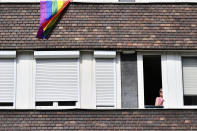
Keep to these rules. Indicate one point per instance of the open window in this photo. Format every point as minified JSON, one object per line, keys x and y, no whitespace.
{"x":57,"y":79}
{"x":152,"y":79}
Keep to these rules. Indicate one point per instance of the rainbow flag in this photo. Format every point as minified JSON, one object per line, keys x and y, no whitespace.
{"x":50,"y":11}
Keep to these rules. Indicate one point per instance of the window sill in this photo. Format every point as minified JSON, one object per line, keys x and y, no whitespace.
{"x":55,"y":108}
{"x":152,"y":106}
{"x":7,"y":107}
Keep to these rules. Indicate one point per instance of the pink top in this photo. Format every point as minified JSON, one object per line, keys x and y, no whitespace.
{"x":160,"y":99}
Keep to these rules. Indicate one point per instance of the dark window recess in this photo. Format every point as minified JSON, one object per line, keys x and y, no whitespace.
{"x":152,"y":79}
{"x":44,"y":103}
{"x":127,"y":1}
{"x":190,"y":100}
{"x":66,"y":103}
{"x":6,"y":104}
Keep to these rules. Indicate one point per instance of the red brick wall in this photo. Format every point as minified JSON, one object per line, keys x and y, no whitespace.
{"x":131,"y":119}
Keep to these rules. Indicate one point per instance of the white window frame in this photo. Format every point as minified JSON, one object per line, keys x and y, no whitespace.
{"x":53,"y":55}
{"x":10,"y":55}
{"x":117,"y":91}
{"x":186,"y":54}
{"x":140,"y":74}
{"x":168,"y":58}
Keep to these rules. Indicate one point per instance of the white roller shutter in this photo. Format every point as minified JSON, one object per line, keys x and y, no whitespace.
{"x":105,"y":82}
{"x":57,"y":79}
{"x":190,"y":75}
{"x":7,"y":80}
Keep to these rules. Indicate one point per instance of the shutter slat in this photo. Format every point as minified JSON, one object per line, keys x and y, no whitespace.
{"x":105,"y":82}
{"x":50,"y":85}
{"x":7,"y":80}
{"x":57,"y":71}
{"x":190,"y":75}
{"x":60,"y":81}
{"x":57,"y":79}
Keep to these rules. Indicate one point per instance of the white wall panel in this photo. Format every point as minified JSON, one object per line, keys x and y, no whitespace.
{"x":118,"y":82}
{"x":86,"y":78}
{"x":172,"y":81}
{"x":140,"y":75}
{"x":24,"y":90}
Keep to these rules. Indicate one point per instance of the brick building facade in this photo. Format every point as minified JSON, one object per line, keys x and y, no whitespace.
{"x":147,"y":46}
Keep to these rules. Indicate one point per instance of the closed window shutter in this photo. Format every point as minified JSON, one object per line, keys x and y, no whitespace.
{"x":7,"y":80}
{"x":190,"y":75}
{"x":57,"y":79}
{"x":105,"y":82}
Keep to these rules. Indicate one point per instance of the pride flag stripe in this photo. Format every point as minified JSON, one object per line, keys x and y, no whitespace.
{"x":49,"y":9}
{"x":54,"y":18}
{"x":49,"y":14}
{"x":60,"y":4}
{"x":54,"y":7}
{"x":43,"y":11}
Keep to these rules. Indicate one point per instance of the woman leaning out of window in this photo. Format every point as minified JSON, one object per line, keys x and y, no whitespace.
{"x":159,"y":100}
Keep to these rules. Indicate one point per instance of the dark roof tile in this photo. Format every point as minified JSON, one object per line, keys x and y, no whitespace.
{"x":97,"y":26}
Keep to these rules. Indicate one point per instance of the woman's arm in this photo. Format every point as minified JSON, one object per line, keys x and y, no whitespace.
{"x":157,"y":101}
